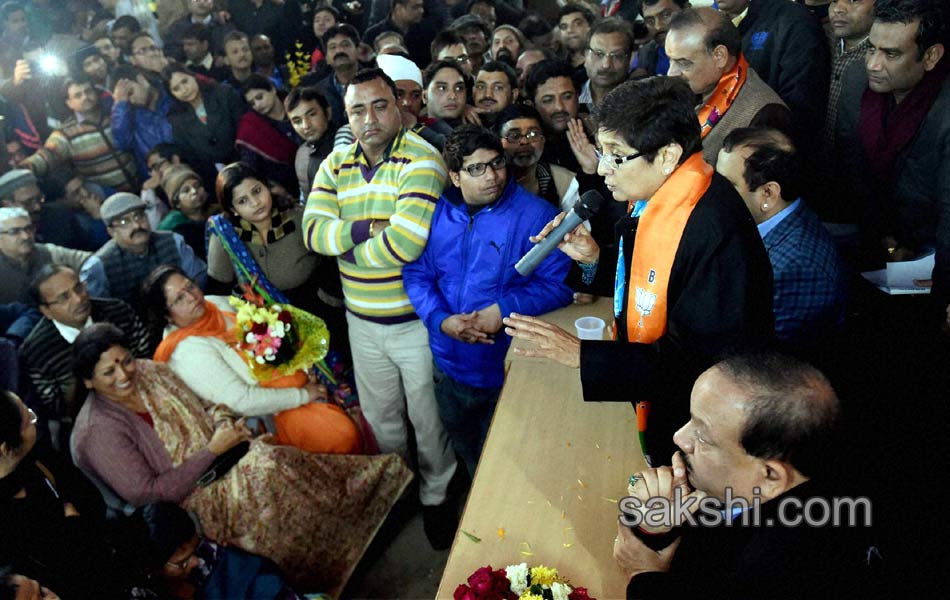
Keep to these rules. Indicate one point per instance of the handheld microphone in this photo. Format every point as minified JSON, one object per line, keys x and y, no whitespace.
{"x":589,"y":203}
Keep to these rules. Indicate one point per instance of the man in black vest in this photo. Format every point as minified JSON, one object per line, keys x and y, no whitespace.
{"x":119,"y":267}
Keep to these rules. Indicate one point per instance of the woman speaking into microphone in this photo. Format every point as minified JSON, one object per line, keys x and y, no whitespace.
{"x":690,"y":277}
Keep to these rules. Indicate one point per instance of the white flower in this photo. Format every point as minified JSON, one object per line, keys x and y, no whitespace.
{"x":278,"y":329}
{"x":259,"y":360}
{"x":276,"y":308}
{"x":250,"y":338}
{"x":518,"y":576}
{"x":560,"y":591}
{"x":268,"y":352}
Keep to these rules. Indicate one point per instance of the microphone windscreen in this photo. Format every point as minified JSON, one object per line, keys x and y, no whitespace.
{"x":588,"y":204}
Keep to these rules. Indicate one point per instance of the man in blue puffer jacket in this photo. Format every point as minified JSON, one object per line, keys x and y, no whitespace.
{"x":465,"y":281}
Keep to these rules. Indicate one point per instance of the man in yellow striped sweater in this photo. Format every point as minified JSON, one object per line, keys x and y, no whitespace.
{"x":371,"y":205}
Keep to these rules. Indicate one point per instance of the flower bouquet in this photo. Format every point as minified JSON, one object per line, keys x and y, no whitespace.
{"x":518,"y":582}
{"x":277,"y":339}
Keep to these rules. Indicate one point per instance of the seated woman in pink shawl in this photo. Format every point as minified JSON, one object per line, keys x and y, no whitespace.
{"x":147,"y":436}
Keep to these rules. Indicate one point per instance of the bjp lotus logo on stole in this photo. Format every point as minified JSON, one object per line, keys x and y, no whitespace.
{"x":645,"y":303}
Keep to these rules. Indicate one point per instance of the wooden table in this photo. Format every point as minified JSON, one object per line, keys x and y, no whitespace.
{"x":550,"y":475}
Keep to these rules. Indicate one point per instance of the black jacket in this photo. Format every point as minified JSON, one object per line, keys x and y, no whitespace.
{"x":919,"y":209}
{"x":418,"y":38}
{"x":327,"y":86}
{"x":747,"y":562}
{"x":66,"y":554}
{"x":719,"y":299}
{"x":788,"y":49}
{"x":204,"y":144}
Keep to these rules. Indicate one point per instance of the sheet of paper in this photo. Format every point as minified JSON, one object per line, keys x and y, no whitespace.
{"x":898,"y":277}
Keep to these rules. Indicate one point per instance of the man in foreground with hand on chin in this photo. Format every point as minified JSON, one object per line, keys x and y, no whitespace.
{"x":761,"y":427}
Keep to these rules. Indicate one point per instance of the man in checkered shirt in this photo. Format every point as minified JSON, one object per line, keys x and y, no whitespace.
{"x":808,"y":278}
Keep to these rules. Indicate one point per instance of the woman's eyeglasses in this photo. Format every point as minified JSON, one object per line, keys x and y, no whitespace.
{"x":612,"y":161}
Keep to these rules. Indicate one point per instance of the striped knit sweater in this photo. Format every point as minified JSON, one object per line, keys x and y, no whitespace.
{"x":88,"y":149}
{"x":48,"y":357}
{"x":348,"y":194}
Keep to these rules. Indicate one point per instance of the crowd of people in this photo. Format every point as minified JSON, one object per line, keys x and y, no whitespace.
{"x":382,"y":165}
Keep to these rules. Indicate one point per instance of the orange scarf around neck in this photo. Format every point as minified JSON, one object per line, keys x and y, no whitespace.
{"x":211,"y":324}
{"x":729,"y":86}
{"x":214,"y":324}
{"x":657,"y":240}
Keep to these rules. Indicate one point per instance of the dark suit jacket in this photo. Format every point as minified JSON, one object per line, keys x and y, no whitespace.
{"x":921,"y":194}
{"x":766,"y":562}
{"x":65,"y":553}
{"x":203,"y":144}
{"x":719,"y":299}
{"x":787,"y":47}
{"x":327,"y":85}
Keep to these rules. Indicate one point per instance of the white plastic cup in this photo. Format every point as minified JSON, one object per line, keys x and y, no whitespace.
{"x":590,"y":328}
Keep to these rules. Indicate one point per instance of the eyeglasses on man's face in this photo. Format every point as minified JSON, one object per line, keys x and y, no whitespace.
{"x":600,"y":55}
{"x":478,"y":169}
{"x":18,"y":231}
{"x":132,"y":218}
{"x":30,"y":203}
{"x":514,"y":137}
{"x":182,"y":565}
{"x":78,"y":290}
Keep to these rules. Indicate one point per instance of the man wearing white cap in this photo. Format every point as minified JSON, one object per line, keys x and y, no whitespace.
{"x":21,"y":257}
{"x":409,"y":96}
{"x":118,"y":268}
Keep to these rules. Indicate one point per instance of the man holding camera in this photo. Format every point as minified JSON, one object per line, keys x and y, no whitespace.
{"x":84,"y":142}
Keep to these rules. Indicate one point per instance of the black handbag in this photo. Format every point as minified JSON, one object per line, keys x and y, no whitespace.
{"x":223,"y":464}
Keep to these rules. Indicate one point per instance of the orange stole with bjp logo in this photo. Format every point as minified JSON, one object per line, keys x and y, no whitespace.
{"x":657,"y":240}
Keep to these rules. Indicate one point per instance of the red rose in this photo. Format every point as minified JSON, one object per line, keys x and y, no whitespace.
{"x":481,"y":581}
{"x":579,"y":594}
{"x":500,"y":584}
{"x":259,"y":328}
{"x":463,"y":592}
{"x":284,"y":317}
